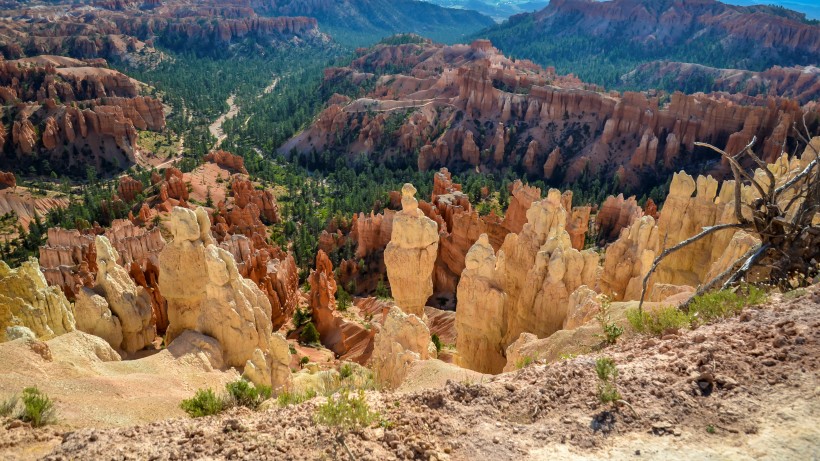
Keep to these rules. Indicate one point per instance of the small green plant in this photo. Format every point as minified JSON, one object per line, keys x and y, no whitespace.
{"x":346,"y":412}
{"x":382,"y":292}
{"x":301,"y":317}
{"x":8,"y":406}
{"x":437,"y":342}
{"x":567,"y":356}
{"x":701,"y":309}
{"x":607,"y":373}
{"x":346,"y":371}
{"x":309,"y":335}
{"x":38,"y":409}
{"x":794,"y":294}
{"x":291,"y":349}
{"x":304,"y":361}
{"x":611,"y":330}
{"x":204,"y":403}
{"x":294,"y":398}
{"x":524,"y":362}
{"x":657,"y":321}
{"x":244,"y":394}
{"x":343,"y":299}
{"x":710,"y":429}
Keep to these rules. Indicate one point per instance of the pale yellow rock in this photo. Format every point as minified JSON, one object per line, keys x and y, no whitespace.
{"x":402,"y":340}
{"x":206,"y":294}
{"x":94,"y":317}
{"x":480,"y":313}
{"x":27,"y":301}
{"x":411,"y":255}
{"x":583,"y":305}
{"x":128,"y":301}
{"x":196,"y":348}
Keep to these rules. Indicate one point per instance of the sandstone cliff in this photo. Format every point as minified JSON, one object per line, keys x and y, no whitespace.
{"x":206,"y":293}
{"x":26,"y":301}
{"x":468,"y":102}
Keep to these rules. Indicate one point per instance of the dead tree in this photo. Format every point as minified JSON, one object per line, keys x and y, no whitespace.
{"x":781,"y":216}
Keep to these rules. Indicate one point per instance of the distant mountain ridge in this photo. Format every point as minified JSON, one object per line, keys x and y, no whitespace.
{"x":600,"y":41}
{"x":496,"y":9}
{"x":363,"y":20}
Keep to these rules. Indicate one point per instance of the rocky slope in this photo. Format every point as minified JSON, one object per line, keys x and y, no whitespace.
{"x":799,"y":83}
{"x":737,"y":389}
{"x":127,"y":30}
{"x":589,"y":37}
{"x":72,"y":114}
{"x":467,"y":107}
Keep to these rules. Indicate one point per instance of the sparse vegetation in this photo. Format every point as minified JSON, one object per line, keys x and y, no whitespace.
{"x":346,"y":412}
{"x":710,"y":429}
{"x":309,"y":335}
{"x":437,"y":342}
{"x":611,"y":330}
{"x":701,"y":310}
{"x":204,"y":403}
{"x":607,"y":373}
{"x":294,"y":398}
{"x":524,"y":362}
{"x":7,"y":406}
{"x":242,"y":393}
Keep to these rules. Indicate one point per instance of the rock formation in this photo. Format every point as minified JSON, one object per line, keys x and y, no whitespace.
{"x":480,"y":315}
{"x":116,"y":308}
{"x":402,"y":340}
{"x":411,"y":254}
{"x":27,"y":301}
{"x":480,"y":105}
{"x":206,"y":294}
{"x":536,"y":271}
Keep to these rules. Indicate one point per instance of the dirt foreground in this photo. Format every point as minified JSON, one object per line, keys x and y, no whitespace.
{"x":742,"y":389}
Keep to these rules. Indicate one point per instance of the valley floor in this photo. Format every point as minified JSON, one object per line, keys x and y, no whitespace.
{"x":744,"y":388}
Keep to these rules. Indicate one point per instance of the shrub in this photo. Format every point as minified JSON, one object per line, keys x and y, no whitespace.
{"x":607,"y":373}
{"x":301,"y":317}
{"x":38,"y":409}
{"x":723,"y":303}
{"x":345,"y":412}
{"x":244,"y":394}
{"x":657,"y":321}
{"x":293,"y":398}
{"x":524,"y":362}
{"x":437,"y":342}
{"x":309,"y":335}
{"x":345,"y":371}
{"x":702,"y":309}
{"x":8,"y":406}
{"x":204,"y":403}
{"x":611,"y":330}
{"x":304,"y":361}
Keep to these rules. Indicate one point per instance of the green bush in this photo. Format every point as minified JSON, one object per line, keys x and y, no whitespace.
{"x":657,"y":321}
{"x":204,"y":403}
{"x":702,"y":309}
{"x":292,"y":398}
{"x":244,"y":394}
{"x":723,"y":303}
{"x":309,"y":335}
{"x":38,"y":409}
{"x":345,"y":412}
{"x":346,"y":371}
{"x":437,"y":342}
{"x":611,"y":330}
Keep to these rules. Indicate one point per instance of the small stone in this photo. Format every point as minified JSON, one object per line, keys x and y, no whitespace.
{"x":496,"y":440}
{"x":699,"y":338}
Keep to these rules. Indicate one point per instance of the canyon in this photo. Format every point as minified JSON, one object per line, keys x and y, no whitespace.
{"x":470,"y":107}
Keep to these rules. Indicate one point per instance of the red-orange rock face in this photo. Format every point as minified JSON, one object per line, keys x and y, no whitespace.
{"x":227,"y":160}
{"x":616,"y":213}
{"x":99,"y":113}
{"x":7,"y":180}
{"x":468,"y":103}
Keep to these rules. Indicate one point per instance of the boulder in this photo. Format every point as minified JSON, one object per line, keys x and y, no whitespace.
{"x":402,"y":340}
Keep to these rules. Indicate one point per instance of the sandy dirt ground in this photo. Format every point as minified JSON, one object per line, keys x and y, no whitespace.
{"x":741,"y":389}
